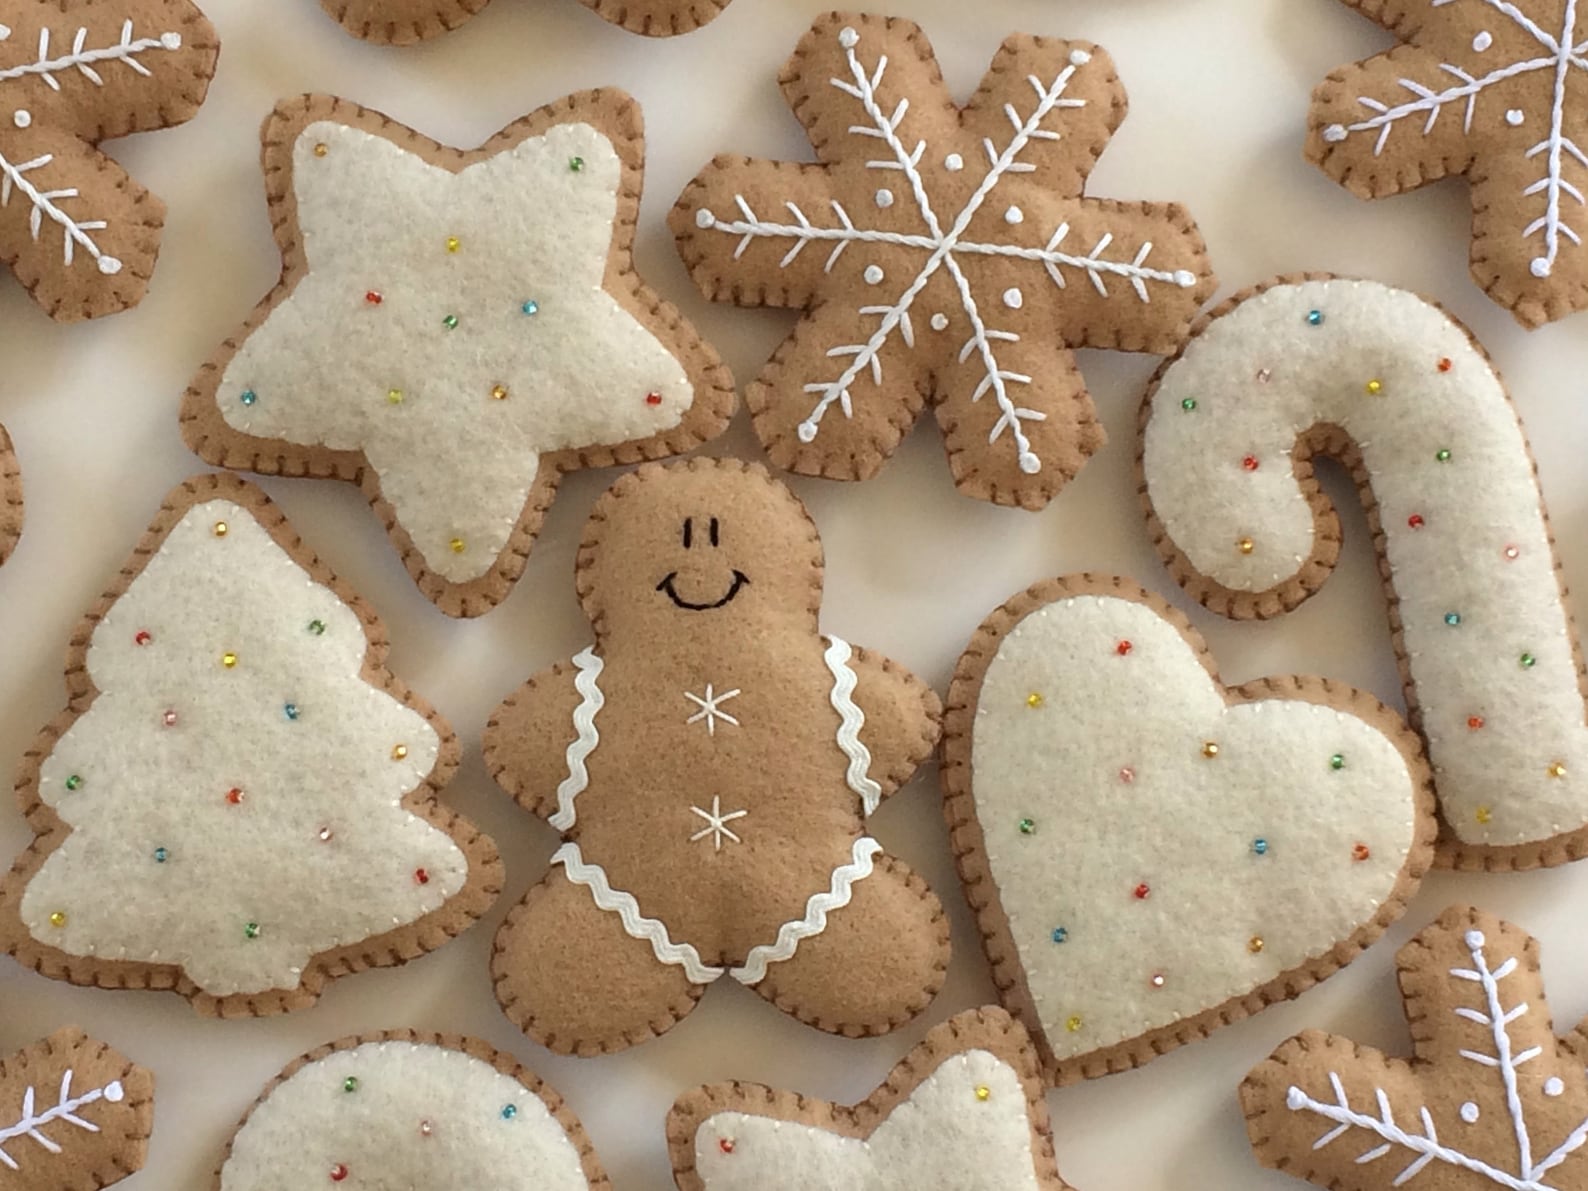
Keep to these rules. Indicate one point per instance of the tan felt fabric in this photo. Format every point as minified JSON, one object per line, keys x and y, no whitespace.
{"x":943,"y":256}
{"x":614,"y":115}
{"x":1497,"y":92}
{"x":1490,"y":1099}
{"x":397,"y":946}
{"x":404,"y":22}
{"x":10,"y":497}
{"x":969,"y":835}
{"x":505,"y":1063}
{"x":74,"y":1115}
{"x":703,"y":582}
{"x":79,"y":233}
{"x":990,"y":1030}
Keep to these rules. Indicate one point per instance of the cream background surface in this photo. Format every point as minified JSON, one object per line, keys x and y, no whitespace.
{"x":1218,"y":91}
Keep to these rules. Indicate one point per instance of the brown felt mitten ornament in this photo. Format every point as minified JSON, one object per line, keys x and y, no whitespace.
{"x":1492,"y":1098}
{"x":1493,"y":89}
{"x":456,"y":330}
{"x":941,"y":255}
{"x":710,"y":762}
{"x":74,"y":1115}
{"x":10,"y":497}
{"x":404,"y":22}
{"x":79,"y":233}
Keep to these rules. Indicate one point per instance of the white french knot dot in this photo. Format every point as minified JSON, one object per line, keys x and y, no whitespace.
{"x":1013,"y":298}
{"x":953,"y":163}
{"x":874,"y":274}
{"x":1475,"y":940}
{"x":1014,"y":215}
{"x":5,"y":32}
{"x":114,"y":1092}
{"x":940,"y":321}
{"x":22,"y":118}
{"x":704,"y":218}
{"x":1335,"y":133}
{"x":1483,"y":41}
{"x":1469,"y":1113}
{"x":1079,"y":57}
{"x":1554,"y":1086}
{"x":171,"y":41}
{"x":884,"y":199}
{"x":1515,"y":117}
{"x":849,"y":39}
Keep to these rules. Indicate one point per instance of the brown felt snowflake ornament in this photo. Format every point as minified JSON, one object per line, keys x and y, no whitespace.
{"x":73,"y":1114}
{"x":941,"y":254}
{"x":404,"y":22}
{"x":77,"y":231}
{"x":1493,"y":89}
{"x":1492,"y":1098}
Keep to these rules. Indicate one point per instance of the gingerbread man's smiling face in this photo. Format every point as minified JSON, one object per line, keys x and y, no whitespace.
{"x":710,"y":546}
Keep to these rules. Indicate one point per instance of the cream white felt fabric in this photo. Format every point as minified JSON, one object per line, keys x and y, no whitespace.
{"x":161,"y":866}
{"x":1475,"y":572}
{"x":1110,"y":771}
{"x":943,"y":1138}
{"x":486,"y":1130}
{"x":331,"y":368}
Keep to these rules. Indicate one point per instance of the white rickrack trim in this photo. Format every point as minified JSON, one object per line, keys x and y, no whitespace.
{"x":83,"y":60}
{"x":791,"y":934}
{"x":13,"y":177}
{"x":65,"y":1110}
{"x":850,"y":721}
{"x":591,"y":701}
{"x":650,"y":930}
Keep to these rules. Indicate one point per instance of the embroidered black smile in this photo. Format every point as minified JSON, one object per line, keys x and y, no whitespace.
{"x":740,"y":582}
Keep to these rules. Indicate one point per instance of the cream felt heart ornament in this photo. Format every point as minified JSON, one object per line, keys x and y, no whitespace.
{"x":1151,"y":854}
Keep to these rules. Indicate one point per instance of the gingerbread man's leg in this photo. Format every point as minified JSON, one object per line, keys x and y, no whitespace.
{"x":879,"y":963}
{"x":572,"y":979}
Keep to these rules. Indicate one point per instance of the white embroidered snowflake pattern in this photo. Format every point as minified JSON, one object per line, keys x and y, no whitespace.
{"x":86,"y":61}
{"x":711,"y":711}
{"x":717,"y":828}
{"x":1421,"y":1145}
{"x":33,"y":1120}
{"x":946,"y":247}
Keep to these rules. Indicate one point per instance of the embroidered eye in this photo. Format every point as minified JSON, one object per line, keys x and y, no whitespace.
{"x":689,"y":532}
{"x":715,"y":538}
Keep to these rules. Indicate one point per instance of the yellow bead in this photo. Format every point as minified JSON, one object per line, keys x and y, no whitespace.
{"x":1375,"y":387}
{"x":321,"y":149}
{"x":1246,"y":545}
{"x":499,"y":392}
{"x":458,"y":545}
{"x":1558,"y":769}
{"x":58,"y":919}
{"x":453,"y":244}
{"x":1210,"y":749}
{"x":1484,"y":814}
{"x":1073,"y":1025}
{"x":983,"y":1093}
{"x":222,"y":529}
{"x":228,"y":660}
{"x":1034,"y":700}
{"x":398,"y":753}
{"x":1255,"y":944}
{"x":394,"y":396}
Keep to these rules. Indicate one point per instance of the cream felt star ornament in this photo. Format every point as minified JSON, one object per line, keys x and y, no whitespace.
{"x":455,"y":330}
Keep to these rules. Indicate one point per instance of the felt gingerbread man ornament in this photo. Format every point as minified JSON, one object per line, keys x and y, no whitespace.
{"x":710,"y":762}
{"x":79,"y":233}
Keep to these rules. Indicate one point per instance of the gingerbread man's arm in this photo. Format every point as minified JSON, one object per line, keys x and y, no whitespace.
{"x":528,"y":739}
{"x":904,"y":718}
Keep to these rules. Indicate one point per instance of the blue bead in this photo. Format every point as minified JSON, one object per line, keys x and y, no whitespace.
{"x":249,"y":397}
{"x":1060,"y":935}
{"x":1452,"y":619}
{"x":1315,"y":317}
{"x":531,"y":307}
{"x":1260,"y":846}
{"x":292,"y":711}
{"x":160,"y":855}
{"x":509,"y":1112}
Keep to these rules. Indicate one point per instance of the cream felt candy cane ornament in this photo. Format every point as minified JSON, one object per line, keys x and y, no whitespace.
{"x":1402,"y":394}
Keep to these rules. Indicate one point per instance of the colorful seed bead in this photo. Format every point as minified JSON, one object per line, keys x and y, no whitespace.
{"x":1158,"y":980}
{"x":1337,"y":761}
{"x":142,"y":637}
{"x":374,"y":297}
{"x":453,"y":243}
{"x":1142,"y":892}
{"x":326,"y":835}
{"x":1260,"y":846}
{"x":74,"y":782}
{"x":229,"y":660}
{"x":653,"y":398}
{"x":290,"y":710}
{"x":1127,"y":775}
{"x":1074,"y":1025}
{"x":1189,"y":404}
{"x":58,"y":919}
{"x":1443,"y":455}
{"x":1446,"y":364}
{"x":421,"y":876}
{"x":1484,"y":814}
{"x":1512,"y":553}
{"x":726,"y":1145}
{"x":498,"y":392}
{"x":222,"y":529}
{"x":426,"y":1128}
{"x":251,"y":930}
{"x":1028,"y":826}
{"x":531,"y":307}
{"x":350,"y":1084}
{"x":509,"y":1111}
{"x":450,"y":322}
{"x":1558,"y":769}
{"x":1246,"y":545}
{"x":1250,"y":463}
{"x":338,"y":1173}
{"x":399,"y":752}
{"x":983,"y":1093}
{"x":1123,"y":648}
{"x":1374,"y":388}
{"x":1453,"y":619}
{"x":317,"y":627}
{"x":248,"y":397}
{"x":576,"y":164}
{"x":1475,"y":722}
{"x":169,"y":719}
{"x":457,"y":545}
{"x":1255,"y":944}
{"x":1210,"y":749}
{"x":1416,"y":521}
{"x":1315,"y":318}
{"x":1034,"y":700}
{"x":394,"y":396}
{"x":321,"y":149}
{"x":235,"y":797}
{"x":1528,"y":661}
{"x":1060,"y":935}
{"x":161,"y":855}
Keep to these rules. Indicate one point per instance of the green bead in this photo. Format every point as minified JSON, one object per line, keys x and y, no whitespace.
{"x":1028,"y":826}
{"x":1528,"y":661}
{"x":75,"y":782}
{"x":450,"y":322}
{"x":1337,"y":761}
{"x":350,"y":1084}
{"x":1189,"y":404}
{"x":576,"y":164}
{"x":251,"y":930}
{"x":317,"y":627}
{"x":1442,"y":454}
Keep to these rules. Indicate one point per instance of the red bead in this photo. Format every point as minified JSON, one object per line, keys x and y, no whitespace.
{"x":1123,"y":648}
{"x":1250,"y":463}
{"x":374,"y":298}
{"x":653,"y":398}
{"x":421,"y":876}
{"x":1416,"y":521}
{"x":1361,"y":852}
{"x":234,"y":796}
{"x":725,"y":1145}
{"x":1474,"y":722}
{"x":1142,"y":892}
{"x":338,"y":1173}
{"x":142,"y":637}
{"x":1445,"y":365}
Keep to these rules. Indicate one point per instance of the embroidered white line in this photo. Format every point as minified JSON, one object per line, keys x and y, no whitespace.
{"x":591,"y":701}
{"x":789,"y":936}
{"x":710,"y":705}
{"x":717,"y":823}
{"x":850,"y":720}
{"x":65,"y":1110}
{"x":594,"y":878}
{"x":83,"y":60}
{"x":13,"y":177}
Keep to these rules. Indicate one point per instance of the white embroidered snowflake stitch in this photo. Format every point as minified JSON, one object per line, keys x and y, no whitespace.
{"x":1492,"y":1099}
{"x":1497,"y":90}
{"x":80,"y":234}
{"x":941,"y":254}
